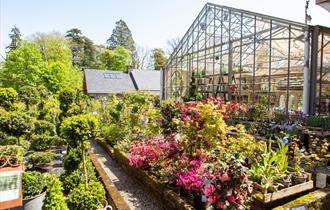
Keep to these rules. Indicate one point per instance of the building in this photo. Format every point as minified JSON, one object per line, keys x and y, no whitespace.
{"x":263,"y":56}
{"x":101,"y":83}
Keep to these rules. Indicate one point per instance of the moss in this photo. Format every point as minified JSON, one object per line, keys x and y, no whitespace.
{"x":308,"y":199}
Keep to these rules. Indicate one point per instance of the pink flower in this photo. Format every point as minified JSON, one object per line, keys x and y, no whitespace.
{"x":224,"y":178}
{"x":209,"y":189}
{"x":221,"y":205}
{"x":211,"y":199}
{"x":230,"y":198}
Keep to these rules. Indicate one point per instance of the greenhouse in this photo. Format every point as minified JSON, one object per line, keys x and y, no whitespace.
{"x":253,"y":58}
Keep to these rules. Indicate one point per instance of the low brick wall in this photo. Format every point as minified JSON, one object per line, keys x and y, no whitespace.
{"x":166,"y":197}
{"x":115,"y":199}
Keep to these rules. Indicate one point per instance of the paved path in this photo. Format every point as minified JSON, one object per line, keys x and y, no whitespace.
{"x":132,"y":192}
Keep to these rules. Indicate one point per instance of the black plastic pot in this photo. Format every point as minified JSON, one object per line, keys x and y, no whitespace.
{"x":298,"y":179}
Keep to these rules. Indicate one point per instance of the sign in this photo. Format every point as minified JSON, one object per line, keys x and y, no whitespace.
{"x":10,"y":187}
{"x":299,"y":207}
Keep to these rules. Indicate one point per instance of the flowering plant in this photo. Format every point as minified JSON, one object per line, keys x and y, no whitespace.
{"x":223,"y":181}
{"x":227,"y":185}
{"x":143,"y":154}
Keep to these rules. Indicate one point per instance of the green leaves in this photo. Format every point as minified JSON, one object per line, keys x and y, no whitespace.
{"x":117,"y":59}
{"x":33,"y":183}
{"x":54,"y":199}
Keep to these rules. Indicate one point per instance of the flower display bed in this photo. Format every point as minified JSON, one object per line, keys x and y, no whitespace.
{"x":168,"y":198}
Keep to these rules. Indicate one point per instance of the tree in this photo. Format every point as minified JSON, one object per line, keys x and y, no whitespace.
{"x":16,"y":39}
{"x":53,"y":47}
{"x":142,"y":58}
{"x":54,"y":199}
{"x":117,"y":59}
{"x":23,"y":67}
{"x":159,"y":59}
{"x":121,"y":36}
{"x":8,"y":97}
{"x":82,"y":48}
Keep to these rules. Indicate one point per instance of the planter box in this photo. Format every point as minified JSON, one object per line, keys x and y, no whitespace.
{"x":315,"y":131}
{"x":10,"y":187}
{"x":168,"y":198}
{"x":266,"y":197}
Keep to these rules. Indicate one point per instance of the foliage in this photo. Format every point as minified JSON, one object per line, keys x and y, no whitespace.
{"x":117,"y":59}
{"x":144,"y":154}
{"x":23,"y":67}
{"x":66,"y":98}
{"x":169,"y":113}
{"x":135,"y":114}
{"x":159,"y":58}
{"x":121,"y":36}
{"x":271,"y":167}
{"x":79,"y":128}
{"x":40,"y":158}
{"x":44,"y":127}
{"x":203,"y":126}
{"x":257,"y":113}
{"x":82,"y":49}
{"x":71,"y":160}
{"x":29,"y":95}
{"x":228,"y":186}
{"x":91,"y":198}
{"x":16,"y":39}
{"x":8,"y":97}
{"x":72,"y":179}
{"x":33,"y":183}
{"x":45,"y":142}
{"x":8,"y":140}
{"x":54,"y":199}
{"x":318,"y":121}
{"x":16,"y":123}
{"x":193,"y":93}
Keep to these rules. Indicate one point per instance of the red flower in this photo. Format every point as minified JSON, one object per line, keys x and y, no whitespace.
{"x":212,"y":199}
{"x":231,"y":198}
{"x":209,"y":189}
{"x":221,"y":205}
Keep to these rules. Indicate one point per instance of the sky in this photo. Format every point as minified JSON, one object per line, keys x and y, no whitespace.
{"x":152,"y":22}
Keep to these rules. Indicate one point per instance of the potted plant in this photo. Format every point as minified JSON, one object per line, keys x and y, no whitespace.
{"x":54,"y":196}
{"x":34,"y":185}
{"x":39,"y":160}
{"x":11,"y":155}
{"x":298,"y":176}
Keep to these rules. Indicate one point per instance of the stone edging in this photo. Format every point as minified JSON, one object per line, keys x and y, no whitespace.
{"x":116,"y":200}
{"x":168,"y":198}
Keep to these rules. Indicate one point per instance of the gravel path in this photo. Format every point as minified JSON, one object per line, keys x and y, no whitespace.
{"x":133,"y":192}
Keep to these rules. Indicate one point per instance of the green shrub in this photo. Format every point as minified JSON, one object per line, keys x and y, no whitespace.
{"x":79,"y":128}
{"x":72,"y":160}
{"x":44,"y":142}
{"x":40,"y":158}
{"x":33,"y":183}
{"x":90,"y":198}
{"x":318,"y":121}
{"x":54,"y":199}
{"x":113,"y":133}
{"x":44,"y":127}
{"x":8,"y":96}
{"x":16,"y":123}
{"x":73,"y":179}
{"x":8,"y":140}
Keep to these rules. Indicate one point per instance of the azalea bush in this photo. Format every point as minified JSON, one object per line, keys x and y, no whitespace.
{"x":222,"y":179}
{"x":144,"y":154}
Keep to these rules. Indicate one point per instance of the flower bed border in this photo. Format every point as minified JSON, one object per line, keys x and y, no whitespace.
{"x":166,"y":197}
{"x":113,"y":196}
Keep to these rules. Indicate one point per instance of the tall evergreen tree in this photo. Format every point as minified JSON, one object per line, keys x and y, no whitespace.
{"x":121,"y":36}
{"x":16,"y":38}
{"x":159,"y":58}
{"x":82,"y":48}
